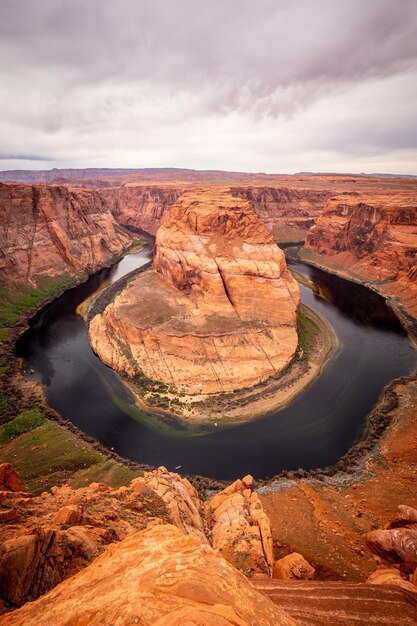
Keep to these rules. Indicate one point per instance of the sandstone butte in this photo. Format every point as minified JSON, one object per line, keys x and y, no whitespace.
{"x":217,"y":312}
{"x":50,"y":231}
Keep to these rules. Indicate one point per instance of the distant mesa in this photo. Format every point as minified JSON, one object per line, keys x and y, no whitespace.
{"x":218,"y":310}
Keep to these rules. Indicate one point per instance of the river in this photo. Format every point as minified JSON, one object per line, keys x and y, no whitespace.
{"x":315,"y":430}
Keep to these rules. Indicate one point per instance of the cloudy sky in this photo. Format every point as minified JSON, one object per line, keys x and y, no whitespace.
{"x":248,"y":85}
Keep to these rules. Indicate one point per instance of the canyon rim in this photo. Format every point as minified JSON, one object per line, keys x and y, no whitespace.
{"x":208,"y":313}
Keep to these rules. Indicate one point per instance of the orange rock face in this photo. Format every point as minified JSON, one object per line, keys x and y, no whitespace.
{"x":9,"y":478}
{"x":48,"y":231}
{"x":218,"y":312}
{"x":180,"y":498}
{"x":293,"y":567}
{"x":373,"y":237}
{"x":240,"y":528}
{"x":156,"y":577}
{"x":54,"y":535}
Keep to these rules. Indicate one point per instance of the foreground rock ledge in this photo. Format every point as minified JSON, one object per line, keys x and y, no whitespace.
{"x":156,"y":577}
{"x":218,"y":311}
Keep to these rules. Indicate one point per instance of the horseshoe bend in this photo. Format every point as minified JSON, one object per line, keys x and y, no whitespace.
{"x":218,"y":310}
{"x":208,"y":313}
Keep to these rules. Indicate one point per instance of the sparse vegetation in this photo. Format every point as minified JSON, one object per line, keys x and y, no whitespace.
{"x":44,"y":451}
{"x":25,"y":422}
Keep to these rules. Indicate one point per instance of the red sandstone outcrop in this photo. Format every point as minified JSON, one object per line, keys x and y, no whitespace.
{"x":156,"y":577}
{"x":56,"y":534}
{"x":287,"y":213}
{"x":217,"y":313}
{"x":140,"y":206}
{"x":48,"y":231}
{"x":374,"y":238}
{"x":180,"y":498}
{"x":240,"y":529}
{"x":9,"y":478}
{"x":396,"y":545}
{"x":390,"y":576}
{"x":293,"y":567}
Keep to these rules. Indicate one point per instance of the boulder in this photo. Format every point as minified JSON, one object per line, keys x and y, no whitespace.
{"x":9,"y":478}
{"x":293,"y":567}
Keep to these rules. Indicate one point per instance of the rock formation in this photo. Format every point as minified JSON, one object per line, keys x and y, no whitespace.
{"x":287,"y":213}
{"x":293,"y":567}
{"x":157,"y":577}
{"x":140,"y":207}
{"x":9,"y":478}
{"x":180,"y":498}
{"x":392,"y":577}
{"x":218,"y":313}
{"x":398,"y":542}
{"x":54,"y":535}
{"x":339,"y":603}
{"x":240,"y":529}
{"x":373,"y":238}
{"x":47,"y":231}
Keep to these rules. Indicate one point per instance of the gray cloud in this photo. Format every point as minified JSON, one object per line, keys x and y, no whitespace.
{"x":225,"y":83}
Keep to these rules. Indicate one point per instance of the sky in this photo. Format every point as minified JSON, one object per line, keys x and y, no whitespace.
{"x":276,"y":86}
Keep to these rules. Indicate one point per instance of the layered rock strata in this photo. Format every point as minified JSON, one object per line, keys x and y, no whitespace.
{"x":140,"y":207}
{"x":47,"y":538}
{"x":52,"y":536}
{"x":373,"y":238}
{"x":287,"y":213}
{"x":218,"y":311}
{"x":158,"y":577}
{"x":47,"y":231}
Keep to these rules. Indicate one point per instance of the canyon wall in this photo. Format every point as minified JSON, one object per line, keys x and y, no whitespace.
{"x":217,"y":313}
{"x":140,"y":207}
{"x":373,"y":238}
{"x":48,"y":231}
{"x":287,"y":213}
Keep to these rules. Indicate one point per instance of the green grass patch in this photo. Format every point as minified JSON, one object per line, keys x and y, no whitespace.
{"x":22,"y":298}
{"x":108,"y":472}
{"x":4,"y":401}
{"x":48,"y":451}
{"x":24,"y":423}
{"x":137,"y":245}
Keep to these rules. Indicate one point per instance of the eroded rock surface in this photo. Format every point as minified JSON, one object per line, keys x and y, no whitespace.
{"x":52,"y":536}
{"x":293,"y":567}
{"x":240,"y":529}
{"x":47,"y":231}
{"x":287,"y":213}
{"x":156,"y":577}
{"x":180,"y":498}
{"x":9,"y":478}
{"x":373,"y":237}
{"x":140,"y":206}
{"x":217,"y":313}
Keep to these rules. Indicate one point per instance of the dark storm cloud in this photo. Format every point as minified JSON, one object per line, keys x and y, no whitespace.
{"x":81,"y":69}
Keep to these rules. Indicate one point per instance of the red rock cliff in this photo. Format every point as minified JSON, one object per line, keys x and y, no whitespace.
{"x":287,"y":213}
{"x":140,"y":206}
{"x":372,"y":237}
{"x":49,"y":231}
